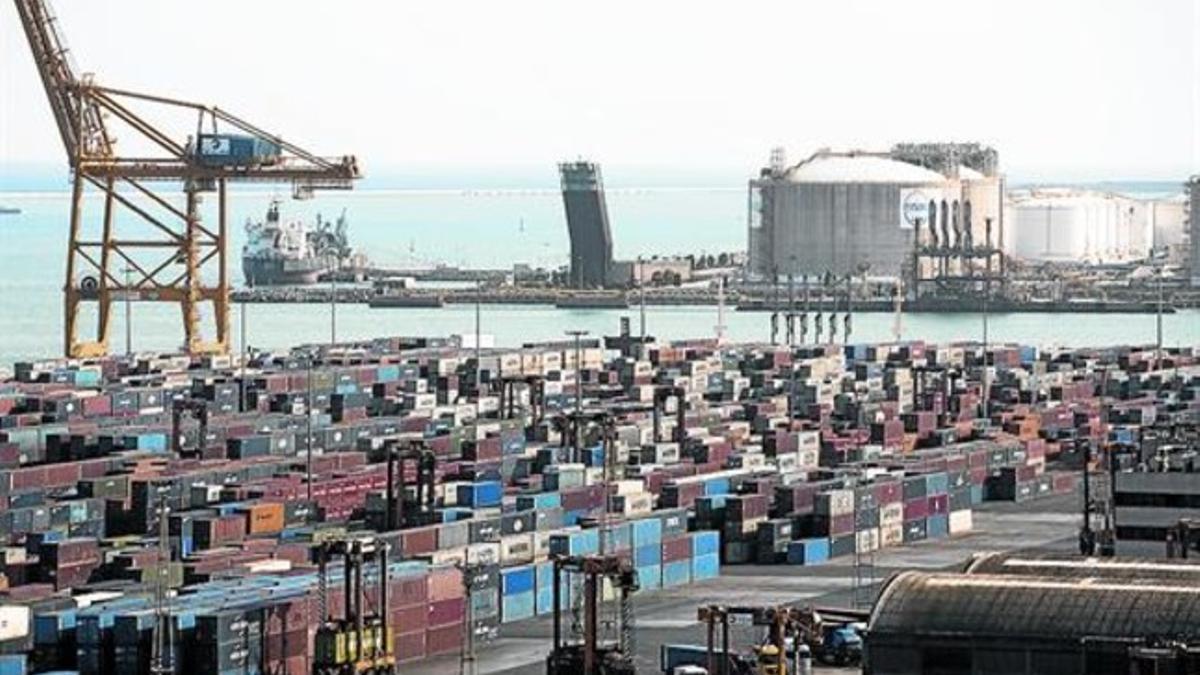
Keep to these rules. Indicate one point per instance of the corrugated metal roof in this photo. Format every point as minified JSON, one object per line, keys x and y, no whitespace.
{"x":860,"y":168}
{"x":917,"y":603}
{"x":1075,"y":567}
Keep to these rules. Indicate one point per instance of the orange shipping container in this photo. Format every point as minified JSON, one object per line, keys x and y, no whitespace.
{"x":264,"y":518}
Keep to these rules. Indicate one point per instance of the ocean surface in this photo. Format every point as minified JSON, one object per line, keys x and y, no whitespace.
{"x":493,"y":227}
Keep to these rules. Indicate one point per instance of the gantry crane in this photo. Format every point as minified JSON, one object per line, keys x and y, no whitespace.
{"x":183,"y":260}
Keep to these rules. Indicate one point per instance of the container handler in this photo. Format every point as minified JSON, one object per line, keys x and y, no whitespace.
{"x":359,"y":643}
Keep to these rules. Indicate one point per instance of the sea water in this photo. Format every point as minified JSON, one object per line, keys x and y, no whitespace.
{"x":479,"y":228}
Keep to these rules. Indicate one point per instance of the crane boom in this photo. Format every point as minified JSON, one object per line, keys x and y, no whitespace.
{"x":184,"y":259}
{"x":79,"y":121}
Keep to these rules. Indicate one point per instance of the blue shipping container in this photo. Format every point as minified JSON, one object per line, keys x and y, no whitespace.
{"x":517,"y":607}
{"x":705,"y":542}
{"x":646,"y":532}
{"x":647,"y":555}
{"x":976,"y":495}
{"x":808,"y":551}
{"x":12,"y":664}
{"x":540,"y":500}
{"x":235,"y":150}
{"x":582,"y":542}
{"x":706,"y":567}
{"x":517,"y":580}
{"x":716,"y":486}
{"x":938,"y":525}
{"x":544,"y":601}
{"x":617,"y":537}
{"x":482,"y":494}
{"x":678,"y":573}
{"x":649,"y":577}
{"x":937,"y":483}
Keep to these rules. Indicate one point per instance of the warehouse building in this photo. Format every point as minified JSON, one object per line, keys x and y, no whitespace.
{"x":982,"y":624}
{"x":587,"y":224}
{"x":866,"y":212}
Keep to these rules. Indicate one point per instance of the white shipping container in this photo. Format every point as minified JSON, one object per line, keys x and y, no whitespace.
{"x":891,"y":513}
{"x":628,"y":487}
{"x":541,"y":545}
{"x":666,"y":453}
{"x":891,"y":535}
{"x":786,"y":462}
{"x":14,"y":622}
{"x":516,"y":549}
{"x":867,"y":540}
{"x":837,"y":502}
{"x":808,"y":440}
{"x":633,"y":504}
{"x":961,"y":521}
{"x":483,"y":554}
{"x":454,"y":556}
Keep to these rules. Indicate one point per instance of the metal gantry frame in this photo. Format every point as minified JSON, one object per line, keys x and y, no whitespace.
{"x":590,"y":656}
{"x":185,"y":261}
{"x":360,"y":655}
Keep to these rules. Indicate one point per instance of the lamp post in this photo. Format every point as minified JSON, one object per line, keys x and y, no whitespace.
{"x":128,"y":311}
{"x":578,"y":335}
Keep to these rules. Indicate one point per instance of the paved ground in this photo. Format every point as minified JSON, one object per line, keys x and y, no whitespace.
{"x":669,"y":616}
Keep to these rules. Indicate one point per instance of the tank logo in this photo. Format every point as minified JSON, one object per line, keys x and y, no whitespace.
{"x":914,"y":208}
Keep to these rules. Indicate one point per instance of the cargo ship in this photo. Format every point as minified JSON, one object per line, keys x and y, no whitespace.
{"x":9,"y":210}
{"x":283,"y":253}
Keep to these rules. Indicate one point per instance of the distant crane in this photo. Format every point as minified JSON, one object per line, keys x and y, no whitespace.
{"x":182,"y":260}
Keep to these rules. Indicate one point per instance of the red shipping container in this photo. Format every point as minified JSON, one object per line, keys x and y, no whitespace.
{"x":915,"y":509}
{"x":444,"y":640}
{"x":446,"y":612}
{"x":841,"y":524}
{"x":409,"y":590}
{"x":418,"y":541}
{"x":410,"y":646}
{"x":445,"y":583}
{"x":283,"y":646}
{"x":410,"y":618}
{"x":32,"y":477}
{"x":674,"y":550}
{"x":887,"y":492}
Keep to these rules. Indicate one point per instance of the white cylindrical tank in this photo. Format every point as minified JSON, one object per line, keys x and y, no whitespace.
{"x":1069,"y":225}
{"x":842,"y":213}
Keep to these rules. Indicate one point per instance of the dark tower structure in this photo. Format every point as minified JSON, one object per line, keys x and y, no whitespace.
{"x":587,"y":222}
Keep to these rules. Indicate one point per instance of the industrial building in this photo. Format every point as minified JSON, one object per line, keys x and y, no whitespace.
{"x":1064,"y":224}
{"x":1151,"y":503}
{"x":972,"y":624}
{"x":587,"y":223}
{"x":850,"y":213}
{"x":650,"y":272}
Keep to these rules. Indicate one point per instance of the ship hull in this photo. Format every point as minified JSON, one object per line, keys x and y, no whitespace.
{"x":284,"y":272}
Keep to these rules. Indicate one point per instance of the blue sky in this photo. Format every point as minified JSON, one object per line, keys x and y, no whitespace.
{"x":1065,"y":90}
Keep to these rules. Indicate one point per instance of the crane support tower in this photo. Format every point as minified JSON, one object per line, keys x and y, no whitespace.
{"x":175,"y":255}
